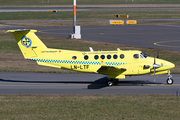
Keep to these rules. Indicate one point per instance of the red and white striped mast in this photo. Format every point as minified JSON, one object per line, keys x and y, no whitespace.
{"x":76,"y":29}
{"x":74,"y":14}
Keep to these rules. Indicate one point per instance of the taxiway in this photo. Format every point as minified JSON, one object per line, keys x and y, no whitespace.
{"x":150,"y":36}
{"x":44,"y":9}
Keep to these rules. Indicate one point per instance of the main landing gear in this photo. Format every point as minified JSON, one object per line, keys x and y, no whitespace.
{"x":169,"y":81}
{"x":111,"y":82}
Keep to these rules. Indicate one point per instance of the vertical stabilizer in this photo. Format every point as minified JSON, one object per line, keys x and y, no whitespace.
{"x":28,"y":42}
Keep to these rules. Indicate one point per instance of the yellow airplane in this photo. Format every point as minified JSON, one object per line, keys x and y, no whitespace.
{"x":115,"y":64}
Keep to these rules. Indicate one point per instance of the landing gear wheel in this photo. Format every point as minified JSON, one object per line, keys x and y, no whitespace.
{"x":110,"y":82}
{"x":169,"y":81}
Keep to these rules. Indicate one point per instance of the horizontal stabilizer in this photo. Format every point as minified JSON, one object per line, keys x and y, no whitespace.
{"x":22,"y":30}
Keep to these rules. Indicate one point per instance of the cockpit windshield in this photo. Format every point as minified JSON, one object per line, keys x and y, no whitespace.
{"x":144,"y":55}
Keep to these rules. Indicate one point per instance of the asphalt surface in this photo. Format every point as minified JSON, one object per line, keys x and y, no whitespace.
{"x":38,"y":9}
{"x":53,"y":83}
{"x":150,"y":36}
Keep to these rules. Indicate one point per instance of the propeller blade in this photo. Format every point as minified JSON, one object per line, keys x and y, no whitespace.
{"x":158,"y":53}
{"x":155,"y":66}
{"x":154,"y":60}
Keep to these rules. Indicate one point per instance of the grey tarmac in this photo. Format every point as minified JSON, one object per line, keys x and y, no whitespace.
{"x":82,"y":83}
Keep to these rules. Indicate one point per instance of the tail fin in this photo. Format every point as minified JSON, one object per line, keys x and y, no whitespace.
{"x":28,"y":42}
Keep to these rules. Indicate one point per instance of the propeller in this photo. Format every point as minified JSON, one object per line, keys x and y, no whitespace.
{"x":158,"y":53}
{"x":155,"y":66}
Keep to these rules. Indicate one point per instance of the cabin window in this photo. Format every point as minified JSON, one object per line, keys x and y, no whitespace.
{"x":96,"y":57}
{"x":86,"y":57}
{"x":74,"y":57}
{"x":122,"y":56}
{"x":102,"y":56}
{"x":136,"y":56}
{"x":108,"y":56}
{"x":115,"y":56}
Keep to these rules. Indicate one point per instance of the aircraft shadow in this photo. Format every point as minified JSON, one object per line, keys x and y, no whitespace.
{"x":97,"y":84}
{"x":65,"y":82}
{"x":100,"y":83}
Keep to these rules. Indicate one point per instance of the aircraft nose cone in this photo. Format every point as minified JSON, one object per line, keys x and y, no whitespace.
{"x":171,"y":65}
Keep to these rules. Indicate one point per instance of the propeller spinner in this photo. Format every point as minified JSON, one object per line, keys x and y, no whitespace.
{"x":155,"y":66}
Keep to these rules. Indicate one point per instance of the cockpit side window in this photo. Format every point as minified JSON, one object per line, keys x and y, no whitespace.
{"x":141,"y":56}
{"x":136,"y":56}
{"x":144,"y":55}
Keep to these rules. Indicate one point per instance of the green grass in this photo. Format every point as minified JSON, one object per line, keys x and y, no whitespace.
{"x":89,"y":15}
{"x":9,"y":47}
{"x":85,"y":2}
{"x":89,"y":107}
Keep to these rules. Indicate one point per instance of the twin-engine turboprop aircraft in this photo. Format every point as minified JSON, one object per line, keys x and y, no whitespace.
{"x":115,"y":64}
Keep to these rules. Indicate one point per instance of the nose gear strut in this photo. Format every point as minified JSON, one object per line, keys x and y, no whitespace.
{"x":169,"y":81}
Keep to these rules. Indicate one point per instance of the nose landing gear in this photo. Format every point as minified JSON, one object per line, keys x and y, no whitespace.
{"x":169,"y":81}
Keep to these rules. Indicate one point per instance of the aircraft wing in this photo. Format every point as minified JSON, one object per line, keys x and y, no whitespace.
{"x":109,"y":69}
{"x":116,"y":67}
{"x":113,"y":71}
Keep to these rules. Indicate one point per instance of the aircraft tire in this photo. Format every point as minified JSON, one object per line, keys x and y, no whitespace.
{"x":169,"y":81}
{"x":110,"y":82}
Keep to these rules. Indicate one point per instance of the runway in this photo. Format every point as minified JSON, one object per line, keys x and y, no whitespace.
{"x":53,"y":83}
